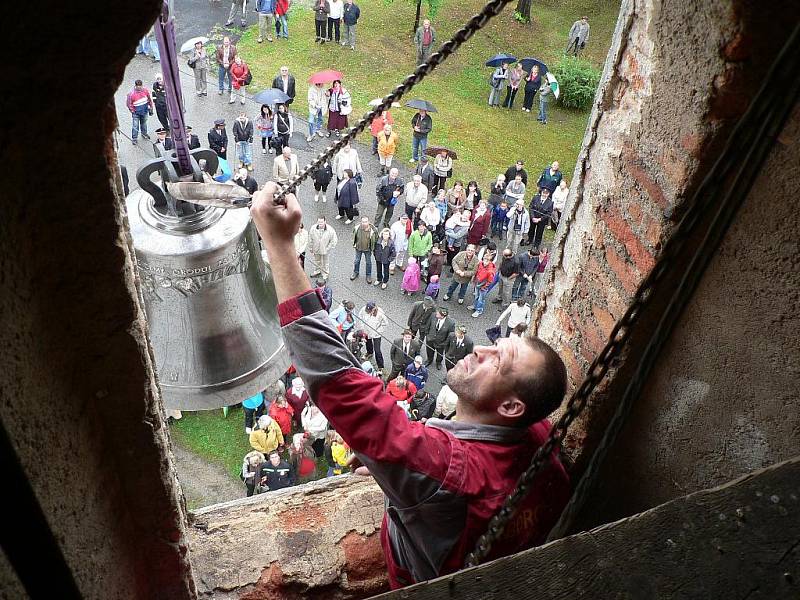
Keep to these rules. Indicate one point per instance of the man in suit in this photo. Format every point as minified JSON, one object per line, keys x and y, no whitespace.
{"x":218,"y":139}
{"x":192,"y":139}
{"x":425,"y":170}
{"x":458,"y":346}
{"x":285,"y":166}
{"x":440,"y":328}
{"x":284,"y":81}
{"x":403,"y":351}
{"x":419,"y":318}
{"x":541,"y":210}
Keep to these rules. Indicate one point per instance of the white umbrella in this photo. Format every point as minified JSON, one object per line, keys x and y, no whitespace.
{"x":188,"y":45}
{"x":551,"y":79}
{"x":377,"y":101}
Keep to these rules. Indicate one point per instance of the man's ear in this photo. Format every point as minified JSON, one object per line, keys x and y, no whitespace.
{"x":511,"y":408}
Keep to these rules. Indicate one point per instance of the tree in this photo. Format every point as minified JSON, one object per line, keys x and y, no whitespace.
{"x":523,"y":11}
{"x":433,"y":8}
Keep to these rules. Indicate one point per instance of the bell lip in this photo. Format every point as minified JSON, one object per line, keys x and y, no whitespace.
{"x":226,"y":393}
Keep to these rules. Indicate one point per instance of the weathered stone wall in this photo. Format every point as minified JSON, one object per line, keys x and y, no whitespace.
{"x":318,"y":540}
{"x":79,"y":398}
{"x":677,"y":78}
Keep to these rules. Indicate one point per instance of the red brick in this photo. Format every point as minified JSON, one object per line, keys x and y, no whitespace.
{"x":625,"y":272}
{"x":621,"y":229}
{"x":634,"y":167}
{"x":605,"y":320}
{"x":364,"y":560}
{"x":739,"y":48}
{"x":575,"y":371}
{"x":592,"y":340}
{"x":566,"y":323}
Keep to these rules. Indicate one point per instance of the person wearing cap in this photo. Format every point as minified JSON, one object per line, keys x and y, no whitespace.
{"x":162,"y":138}
{"x":541,"y":208}
{"x":373,"y":322}
{"x":519,"y":223}
{"x":267,"y":436}
{"x":439,"y":329}
{"x":422,"y":406}
{"x":342,"y":318}
{"x":192,"y":139}
{"x":160,"y":101}
{"x":402,"y":353}
{"x":297,"y":397}
{"x":417,"y":373}
{"x":459,"y":344}
{"x":419,"y":318}
{"x":245,"y":180}
{"x":218,"y":139}
{"x":464,"y":264}
{"x":517,"y":169}
{"x":140,"y":105}
{"x":505,"y":393}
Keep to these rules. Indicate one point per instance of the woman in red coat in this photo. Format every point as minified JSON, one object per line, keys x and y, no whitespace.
{"x":481,"y":218}
{"x":239,"y":72}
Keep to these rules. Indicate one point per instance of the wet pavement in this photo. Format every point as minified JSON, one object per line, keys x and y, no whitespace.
{"x":201,"y":113}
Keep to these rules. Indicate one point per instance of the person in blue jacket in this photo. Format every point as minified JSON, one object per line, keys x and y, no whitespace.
{"x":253,"y":408}
{"x":417,"y":373}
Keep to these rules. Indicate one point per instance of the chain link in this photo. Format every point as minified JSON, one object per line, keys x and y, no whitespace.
{"x":492,"y":9}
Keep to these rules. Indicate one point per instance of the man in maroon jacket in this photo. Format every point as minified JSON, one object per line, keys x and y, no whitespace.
{"x":443,"y":480}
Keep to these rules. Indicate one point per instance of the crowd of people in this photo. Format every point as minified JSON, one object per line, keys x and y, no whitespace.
{"x":450,"y":241}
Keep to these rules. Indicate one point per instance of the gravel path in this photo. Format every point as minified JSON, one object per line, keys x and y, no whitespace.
{"x":203,"y":482}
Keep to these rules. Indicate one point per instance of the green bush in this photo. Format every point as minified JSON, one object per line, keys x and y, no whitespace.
{"x":577,"y":81}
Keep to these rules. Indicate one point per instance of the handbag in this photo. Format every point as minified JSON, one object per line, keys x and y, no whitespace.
{"x":248,"y":79}
{"x":449,"y":172}
{"x":356,"y":212}
{"x":191,"y":63}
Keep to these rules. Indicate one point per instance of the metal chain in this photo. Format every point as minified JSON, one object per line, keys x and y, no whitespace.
{"x":761,"y":112}
{"x":492,"y":9}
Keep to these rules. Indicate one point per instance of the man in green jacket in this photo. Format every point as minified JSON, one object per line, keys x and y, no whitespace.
{"x":420,"y":242}
{"x":364,"y":237}
{"x":465,"y":263}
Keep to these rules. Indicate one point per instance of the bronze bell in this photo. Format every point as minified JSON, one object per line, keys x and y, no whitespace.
{"x":210,"y":302}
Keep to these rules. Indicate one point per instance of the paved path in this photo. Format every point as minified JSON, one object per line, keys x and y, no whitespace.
{"x":203,"y":482}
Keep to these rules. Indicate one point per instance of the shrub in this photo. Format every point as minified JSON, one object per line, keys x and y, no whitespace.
{"x":577,"y":81}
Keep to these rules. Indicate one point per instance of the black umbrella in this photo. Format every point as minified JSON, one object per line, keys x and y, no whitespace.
{"x":421,"y":105}
{"x":271,"y":96}
{"x":499,"y":59}
{"x":527,"y":64}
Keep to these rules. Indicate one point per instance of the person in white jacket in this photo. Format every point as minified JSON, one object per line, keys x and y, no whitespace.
{"x":317,"y":109}
{"x":316,"y":424}
{"x":578,"y":36}
{"x":346,"y":158}
{"x":372,"y":320}
{"x":559,"y":201}
{"x":517,"y":312}
{"x":400,"y":239}
{"x":322,"y":239}
{"x":445,"y":403}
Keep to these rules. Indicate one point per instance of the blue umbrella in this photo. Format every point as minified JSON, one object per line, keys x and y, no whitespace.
{"x":499,"y":59}
{"x":527,"y":64}
{"x":271,"y":96}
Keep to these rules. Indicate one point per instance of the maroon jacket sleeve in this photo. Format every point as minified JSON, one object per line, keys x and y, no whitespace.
{"x":408,"y":460}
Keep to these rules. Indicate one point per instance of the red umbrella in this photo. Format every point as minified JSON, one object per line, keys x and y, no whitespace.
{"x":326,"y":76}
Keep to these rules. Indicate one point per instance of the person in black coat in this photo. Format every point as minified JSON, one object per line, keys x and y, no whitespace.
{"x":322,"y":176}
{"x":218,"y":139}
{"x":284,"y":81}
{"x":541,"y":210}
{"x":532,"y":84}
{"x":160,"y":100}
{"x":458,"y":346}
{"x":192,"y":139}
{"x":402,"y":353}
{"x":161,"y":138}
{"x":276,"y":473}
{"x":348,"y":197}
{"x":419,"y":318}
{"x":517,"y":169}
{"x":439,"y":330}
{"x":245,"y":180}
{"x":425,"y":170}
{"x":422,"y":406}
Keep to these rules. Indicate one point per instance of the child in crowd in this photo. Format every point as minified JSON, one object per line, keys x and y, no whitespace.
{"x":433,"y":287}
{"x":411,"y":277}
{"x":435,"y":263}
{"x":337,"y":453}
{"x":499,"y":219}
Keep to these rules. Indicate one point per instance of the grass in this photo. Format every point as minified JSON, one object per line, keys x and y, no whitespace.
{"x":487,"y":140}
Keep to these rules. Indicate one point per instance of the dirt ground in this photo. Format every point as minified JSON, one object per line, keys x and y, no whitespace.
{"x":203,"y":482}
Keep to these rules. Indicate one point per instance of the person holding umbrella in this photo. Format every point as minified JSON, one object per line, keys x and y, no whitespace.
{"x":498,"y":84}
{"x":532,"y":84}
{"x":422,"y":125}
{"x":339,"y":106}
{"x":265,"y":126}
{"x":199,"y":64}
{"x":515,"y":77}
{"x":285,"y":82}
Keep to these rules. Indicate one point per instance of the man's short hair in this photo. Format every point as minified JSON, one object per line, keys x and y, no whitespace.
{"x":544,"y":391}
{"x":138,"y":82}
{"x":407,"y":332}
{"x":275,"y":452}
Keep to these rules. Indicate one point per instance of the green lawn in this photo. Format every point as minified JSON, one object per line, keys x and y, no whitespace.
{"x":487,"y":140}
